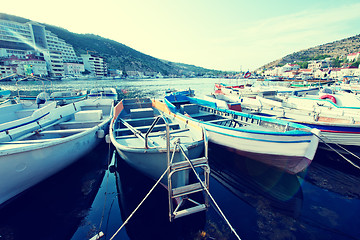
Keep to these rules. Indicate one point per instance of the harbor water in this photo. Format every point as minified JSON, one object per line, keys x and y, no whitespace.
{"x":259,"y":201}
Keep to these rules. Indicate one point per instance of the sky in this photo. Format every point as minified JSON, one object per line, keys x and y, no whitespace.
{"x":229,"y":35}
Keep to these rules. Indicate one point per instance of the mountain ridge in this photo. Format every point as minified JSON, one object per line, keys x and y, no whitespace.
{"x":118,"y":55}
{"x":339,"y":48}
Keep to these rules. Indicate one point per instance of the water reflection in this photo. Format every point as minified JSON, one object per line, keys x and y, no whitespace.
{"x":55,"y":208}
{"x":151,"y":221}
{"x":331,"y":172}
{"x":256,"y":183}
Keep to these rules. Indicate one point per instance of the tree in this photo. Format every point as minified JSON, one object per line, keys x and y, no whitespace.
{"x":336,"y":62}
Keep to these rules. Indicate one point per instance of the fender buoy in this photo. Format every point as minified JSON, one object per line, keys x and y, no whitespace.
{"x":247,"y":75}
{"x":328,"y":96}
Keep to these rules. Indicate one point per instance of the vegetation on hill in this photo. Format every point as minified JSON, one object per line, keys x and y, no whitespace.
{"x":117,"y":55}
{"x":338,"y":50}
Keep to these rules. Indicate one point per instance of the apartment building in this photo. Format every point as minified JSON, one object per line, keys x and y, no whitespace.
{"x":54,"y":62}
{"x":94,"y":64}
{"x":22,"y":39}
{"x":73,"y":69}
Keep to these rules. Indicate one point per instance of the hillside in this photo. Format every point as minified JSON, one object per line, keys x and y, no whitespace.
{"x":340,"y":48}
{"x":117,"y":55}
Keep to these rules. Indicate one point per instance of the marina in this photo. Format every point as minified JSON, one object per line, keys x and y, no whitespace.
{"x":259,"y":200}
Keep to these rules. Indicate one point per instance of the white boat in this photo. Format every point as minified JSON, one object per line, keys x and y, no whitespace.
{"x":61,"y":97}
{"x":33,"y":157}
{"x":335,"y":103}
{"x":19,"y":118}
{"x":335,"y":129}
{"x":103,"y":93}
{"x":285,"y":145}
{"x":151,"y":139}
{"x":69,"y":96}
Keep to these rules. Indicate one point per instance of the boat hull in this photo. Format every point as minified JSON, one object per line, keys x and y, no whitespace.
{"x":26,"y":164}
{"x":292,"y":154}
{"x":153,"y":162}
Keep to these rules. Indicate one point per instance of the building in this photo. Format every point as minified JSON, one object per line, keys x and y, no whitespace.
{"x":73,"y":69}
{"x":319,"y":64}
{"x":21,"y":39}
{"x":290,"y":67}
{"x":94,"y":64}
{"x":6,"y":70}
{"x":56,"y":44}
{"x":352,"y":57}
{"x":54,"y":62}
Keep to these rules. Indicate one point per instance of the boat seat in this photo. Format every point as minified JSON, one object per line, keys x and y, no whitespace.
{"x":202,"y":115}
{"x":154,"y":133}
{"x":144,"y":129}
{"x":64,"y":131}
{"x":138,"y":122}
{"x":142,"y":112}
{"x":219,"y":120}
{"x":88,"y":115}
{"x":189,"y":108}
{"x":77,"y":124}
{"x":136,"y":105}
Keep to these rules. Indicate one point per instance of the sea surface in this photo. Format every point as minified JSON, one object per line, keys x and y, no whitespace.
{"x":260,"y":202}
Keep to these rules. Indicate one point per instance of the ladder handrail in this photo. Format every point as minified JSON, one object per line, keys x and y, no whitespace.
{"x":167,"y":133}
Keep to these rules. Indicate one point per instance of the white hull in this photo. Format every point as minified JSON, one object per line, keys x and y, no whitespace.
{"x":153,"y":162}
{"x":27,"y":162}
{"x":22,"y":170}
{"x":292,"y":154}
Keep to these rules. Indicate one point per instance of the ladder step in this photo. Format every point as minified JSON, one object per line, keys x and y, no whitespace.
{"x":189,"y":211}
{"x":185,"y":164}
{"x":188,"y":189}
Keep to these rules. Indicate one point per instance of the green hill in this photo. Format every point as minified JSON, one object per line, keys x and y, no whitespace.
{"x":337,"y":49}
{"x":117,"y":55}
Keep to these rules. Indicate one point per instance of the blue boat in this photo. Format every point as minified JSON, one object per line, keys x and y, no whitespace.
{"x":285,"y":145}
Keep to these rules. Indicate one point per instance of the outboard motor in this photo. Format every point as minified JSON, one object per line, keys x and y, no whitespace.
{"x":42,"y":98}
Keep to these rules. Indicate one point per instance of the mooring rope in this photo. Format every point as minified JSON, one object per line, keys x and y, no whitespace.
{"x":142,"y":201}
{"x":208,"y":192}
{"x":348,"y":160}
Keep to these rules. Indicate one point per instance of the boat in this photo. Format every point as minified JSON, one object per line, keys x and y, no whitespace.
{"x":335,"y":129}
{"x":68,"y":96}
{"x":335,"y":103}
{"x":61,"y":97}
{"x":103,"y":93}
{"x":152,"y":140}
{"x":33,"y":157}
{"x":285,"y":145}
{"x":4,"y":94}
{"x":188,"y":92}
{"x":17,"y":119}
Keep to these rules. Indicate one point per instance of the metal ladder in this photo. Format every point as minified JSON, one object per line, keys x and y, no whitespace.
{"x":182,"y":193}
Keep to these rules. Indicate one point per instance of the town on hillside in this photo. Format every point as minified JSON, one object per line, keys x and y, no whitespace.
{"x":316,"y":69}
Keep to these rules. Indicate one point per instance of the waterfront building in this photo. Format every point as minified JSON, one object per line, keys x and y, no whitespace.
{"x":73,"y":68}
{"x":94,"y":64}
{"x":21,"y":39}
{"x":6,"y":70}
